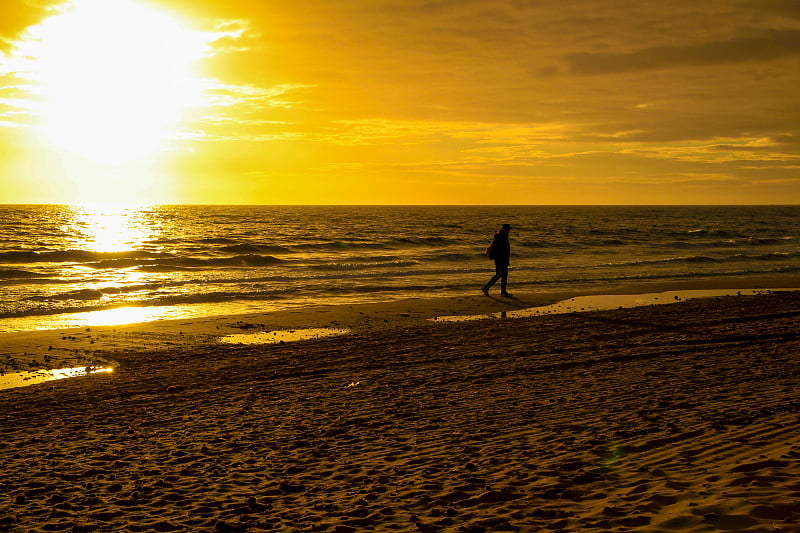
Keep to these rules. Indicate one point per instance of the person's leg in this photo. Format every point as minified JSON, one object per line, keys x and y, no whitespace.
{"x":503,"y":279}
{"x":491,"y":282}
{"x":498,"y":274}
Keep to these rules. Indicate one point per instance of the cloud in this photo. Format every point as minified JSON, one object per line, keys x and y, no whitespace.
{"x":720,"y":153}
{"x":787,"y":139}
{"x":786,"y":8}
{"x":771,"y":45}
{"x":245,"y":113}
{"x":17,"y":15}
{"x":17,"y":102}
{"x":408,"y":132}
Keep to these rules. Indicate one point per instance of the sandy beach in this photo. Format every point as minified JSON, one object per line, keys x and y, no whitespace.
{"x":680,"y":417}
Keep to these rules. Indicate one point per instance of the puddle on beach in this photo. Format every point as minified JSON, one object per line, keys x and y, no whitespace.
{"x":289,"y":335}
{"x":605,"y":302}
{"x":107,"y":317}
{"x":22,"y":379}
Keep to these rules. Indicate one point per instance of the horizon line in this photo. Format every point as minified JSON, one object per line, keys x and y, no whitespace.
{"x":168,"y":204}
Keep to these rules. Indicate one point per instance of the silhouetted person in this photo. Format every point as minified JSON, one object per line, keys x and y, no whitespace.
{"x":500,"y":252}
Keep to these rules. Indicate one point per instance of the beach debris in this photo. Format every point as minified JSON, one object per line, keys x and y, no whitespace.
{"x":352,"y":384}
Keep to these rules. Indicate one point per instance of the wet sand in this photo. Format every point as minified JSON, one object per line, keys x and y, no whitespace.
{"x":681,"y":417}
{"x":101,"y":346}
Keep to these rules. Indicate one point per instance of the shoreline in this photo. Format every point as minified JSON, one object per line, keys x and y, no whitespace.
{"x":103,"y":346}
{"x":679,"y":417}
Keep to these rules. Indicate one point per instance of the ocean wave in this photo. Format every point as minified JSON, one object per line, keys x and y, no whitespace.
{"x":574,"y":243}
{"x":96,"y":304}
{"x":89,"y":300}
{"x":363,"y":266}
{"x":613,"y":231}
{"x":690,"y":259}
{"x":43,"y":311}
{"x":684,"y":245}
{"x":246,"y":248}
{"x":71,"y":256}
{"x":394,"y":243}
{"x":373,"y":259}
{"x":117,"y":263}
{"x":759,"y":241}
{"x":338,"y":246}
{"x":181,"y":299}
{"x":728,"y":243}
{"x":538,"y":244}
{"x":170,"y":264}
{"x":32,"y":281}
{"x":164,"y":268}
{"x":693,"y":259}
{"x":453,"y":257}
{"x":217,"y":240}
{"x":774,"y":256}
{"x":59,"y":256}
{"x":247,"y":260}
{"x":214,"y":297}
{"x":15,"y":273}
{"x":80,"y":294}
{"x":656,"y":276}
{"x":421,"y":241}
{"x":705,"y":232}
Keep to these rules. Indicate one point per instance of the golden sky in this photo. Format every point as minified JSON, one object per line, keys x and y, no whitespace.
{"x":400,"y":101}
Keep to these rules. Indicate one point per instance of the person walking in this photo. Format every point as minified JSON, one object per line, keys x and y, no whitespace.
{"x":500,"y":252}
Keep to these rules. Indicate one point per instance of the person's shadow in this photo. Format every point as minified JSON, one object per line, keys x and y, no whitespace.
{"x":511,"y":301}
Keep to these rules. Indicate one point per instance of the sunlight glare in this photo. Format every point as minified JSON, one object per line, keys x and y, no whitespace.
{"x":116,"y":75}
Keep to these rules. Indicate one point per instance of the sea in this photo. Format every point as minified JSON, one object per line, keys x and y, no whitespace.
{"x":63,"y":266}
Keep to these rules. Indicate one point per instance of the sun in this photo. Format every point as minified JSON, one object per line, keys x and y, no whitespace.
{"x":115,"y":76}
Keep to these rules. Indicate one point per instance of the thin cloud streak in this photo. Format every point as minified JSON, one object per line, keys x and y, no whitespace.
{"x":772,"y":45}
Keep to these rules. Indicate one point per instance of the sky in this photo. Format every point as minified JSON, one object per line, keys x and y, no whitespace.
{"x":400,"y":101}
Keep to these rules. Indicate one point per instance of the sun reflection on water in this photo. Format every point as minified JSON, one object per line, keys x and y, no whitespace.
{"x":109,"y":228}
{"x":21,"y":379}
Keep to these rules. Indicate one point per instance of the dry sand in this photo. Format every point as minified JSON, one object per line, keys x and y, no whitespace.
{"x":682,"y":417}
